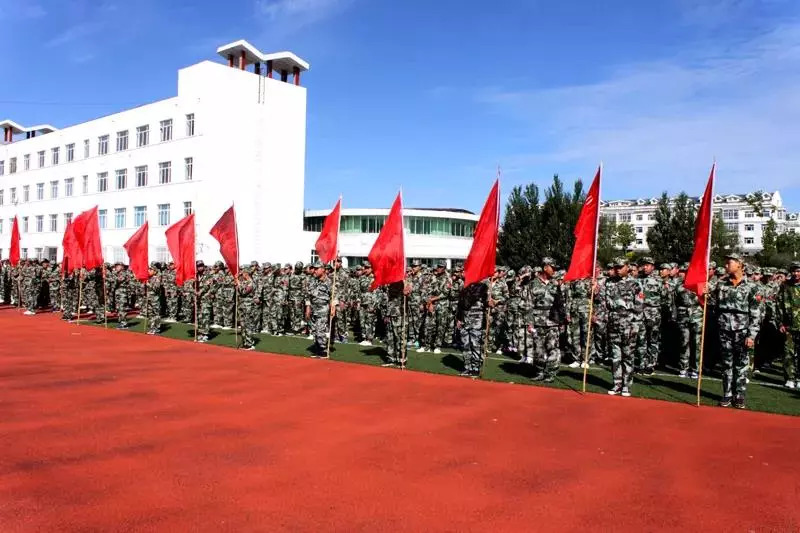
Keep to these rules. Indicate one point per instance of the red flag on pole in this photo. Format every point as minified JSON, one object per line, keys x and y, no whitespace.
{"x":327,"y":244}
{"x":697,"y":273}
{"x":388,"y":257}
{"x":72,"y":251}
{"x":137,"y":250}
{"x":584,"y":254}
{"x":180,"y":241}
{"x":86,"y":228}
{"x":480,"y":263}
{"x":13,"y":254}
{"x":228,"y":237}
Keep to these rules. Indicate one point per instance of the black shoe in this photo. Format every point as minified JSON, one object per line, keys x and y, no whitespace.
{"x":122,"y":326}
{"x":739,"y":403}
{"x":549,"y":379}
{"x":468,"y":374}
{"x":538,"y":377}
{"x":725,"y":402}
{"x":648,"y":372}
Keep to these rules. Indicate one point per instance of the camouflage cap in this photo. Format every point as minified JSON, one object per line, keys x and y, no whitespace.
{"x":794,"y":266}
{"x":619,"y":262}
{"x":646,"y":261}
{"x":416,"y":263}
{"x":316,"y":264}
{"x":610,"y":265}
{"x":712,"y":264}
{"x":199,"y":263}
{"x":219,"y":264}
{"x":298,"y":264}
{"x":665,"y":266}
{"x":734,"y":256}
{"x":441,"y":264}
{"x":511,"y":272}
{"x":720,"y":271}
{"x":359,"y":267}
{"x":536,"y":270}
{"x":253,"y":263}
{"x":501,"y":268}
{"x":548,"y":261}
{"x":366,"y":264}
{"x":684,"y":267}
{"x":266,"y":265}
{"x":525,"y":271}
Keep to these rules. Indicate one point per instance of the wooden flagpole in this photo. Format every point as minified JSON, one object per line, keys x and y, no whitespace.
{"x":594,"y":279}
{"x":486,"y":332}
{"x":236,"y":281}
{"x":705,"y":287}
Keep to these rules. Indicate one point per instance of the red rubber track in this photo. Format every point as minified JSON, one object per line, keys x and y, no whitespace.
{"x":108,"y":431}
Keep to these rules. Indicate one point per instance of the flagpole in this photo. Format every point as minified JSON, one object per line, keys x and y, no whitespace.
{"x":486,"y":333}
{"x":330,"y":313}
{"x":594,"y":281}
{"x":105,"y":298}
{"x":404,"y":330}
{"x":236,"y":281}
{"x":195,"y":306}
{"x":144,"y":304}
{"x":80,"y":295}
{"x":705,"y":287}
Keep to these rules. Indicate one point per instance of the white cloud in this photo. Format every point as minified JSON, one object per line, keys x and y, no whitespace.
{"x":294,"y":14}
{"x":658,"y":125}
{"x":21,"y":10}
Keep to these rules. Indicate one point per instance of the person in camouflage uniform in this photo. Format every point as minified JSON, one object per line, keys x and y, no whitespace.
{"x":656,"y":298}
{"x":546,"y":314}
{"x":152,"y":303}
{"x":32,"y":285}
{"x":498,"y":296}
{"x":578,"y":293}
{"x":623,"y":304}
{"x":171,"y":293}
{"x":770,"y":341}
{"x":366,"y":305}
{"x":738,"y":317}
{"x":206,"y":292}
{"x":599,"y":352}
{"x":689,"y":320}
{"x":120,"y":286}
{"x":226,"y":297}
{"x":415,"y":305}
{"x":436,"y":311}
{"x":296,"y":298}
{"x":393,"y":318}
{"x":249,"y":312}
{"x":512,"y":310}
{"x":452,"y":301}
{"x":319,"y":308}
{"x":471,"y":317}
{"x":278,"y":306}
{"x":70,"y":303}
{"x":265,"y":281}
{"x":52,"y":277}
{"x":341,"y":322}
{"x":788,"y":310}
{"x":187,"y":300}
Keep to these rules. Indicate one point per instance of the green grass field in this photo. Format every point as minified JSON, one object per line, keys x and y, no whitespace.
{"x":765,"y":391}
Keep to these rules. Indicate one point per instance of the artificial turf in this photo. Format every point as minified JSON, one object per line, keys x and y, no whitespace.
{"x":764,"y":392}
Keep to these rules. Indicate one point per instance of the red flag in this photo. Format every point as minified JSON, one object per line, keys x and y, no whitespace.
{"x":327,"y":245}
{"x":13,"y":254}
{"x":226,"y":233}
{"x":72,"y":251}
{"x":180,"y":241}
{"x":388,"y":256}
{"x":87,"y":232}
{"x":584,"y":254}
{"x":137,"y":248}
{"x":480,"y":263}
{"x":697,"y":273}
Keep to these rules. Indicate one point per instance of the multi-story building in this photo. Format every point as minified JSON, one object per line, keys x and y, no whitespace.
{"x":736,"y":210}
{"x":431,"y":235}
{"x":230,"y":136}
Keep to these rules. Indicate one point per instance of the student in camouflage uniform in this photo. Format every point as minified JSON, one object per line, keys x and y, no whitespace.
{"x":53,"y":279}
{"x":393,"y":318}
{"x":599,"y":349}
{"x":319,"y":308}
{"x":545,"y":318}
{"x":454,"y":295}
{"x":512,"y":310}
{"x":152,"y":303}
{"x":206,"y":292}
{"x":498,"y":296}
{"x":655,"y":301}
{"x":341,"y":322}
{"x":70,"y":303}
{"x":187,"y":300}
{"x":248,"y":310}
{"x":32,"y":285}
{"x":226,"y":297}
{"x":415,"y":305}
{"x":788,"y":308}
{"x":278,"y":307}
{"x":436,"y":310}
{"x":578,"y":293}
{"x":623,"y":304}
{"x":120,"y":286}
{"x":366,"y":306}
{"x":471,"y":323}
{"x":738,"y":316}
{"x":296,"y":298}
{"x":171,"y":293}
{"x":689,"y":320}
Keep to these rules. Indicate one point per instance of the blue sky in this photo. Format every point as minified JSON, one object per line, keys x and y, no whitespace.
{"x":433,"y":95}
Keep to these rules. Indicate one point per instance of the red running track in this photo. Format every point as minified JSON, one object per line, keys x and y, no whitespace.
{"x":110,"y":431}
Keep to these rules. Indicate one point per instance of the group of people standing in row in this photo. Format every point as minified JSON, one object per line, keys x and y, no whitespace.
{"x":752,"y":316}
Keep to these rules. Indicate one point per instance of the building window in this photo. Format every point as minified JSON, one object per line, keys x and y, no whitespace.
{"x":26,"y":162}
{"x":2,"y":167}
{"x":165,"y":172}
{"x":162,"y":255}
{"x":766,"y":213}
{"x":40,"y":191}
{"x":39,"y":223}
{"x":639,"y":229}
{"x":102,"y":215}
{"x":68,"y":184}
{"x":163,"y":214}
{"x":54,"y":158}
{"x":189,"y":164}
{"x":122,"y":179}
{"x":730,"y":214}
{"x":38,"y":253}
{"x":139,"y":215}
{"x":122,"y":141}
{"x":625,"y":217}
{"x":119,"y":217}
{"x":102,"y":145}
{"x":53,"y":223}
{"x":749,"y":240}
{"x":141,"y":176}
{"x":102,"y":181}
{"x":85,"y":185}
{"x":119,"y":255}
{"x":639,"y":218}
{"x":142,"y":136}
{"x":67,"y":218}
{"x":24,"y":253}
{"x":166,"y":130}
{"x":12,"y":165}
{"x":2,"y":197}
{"x":24,"y":224}
{"x":749,"y":227}
{"x":190,"y":125}
{"x":53,"y":189}
{"x":1,"y":228}
{"x":86,"y":148}
{"x":639,"y":242}
{"x":732,"y":226}
{"x":313,"y":223}
{"x":13,"y":195}
{"x":26,"y":193}
{"x":70,"y":152}
{"x":187,"y":208}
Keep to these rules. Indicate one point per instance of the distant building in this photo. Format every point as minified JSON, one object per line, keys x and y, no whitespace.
{"x":736,"y":212}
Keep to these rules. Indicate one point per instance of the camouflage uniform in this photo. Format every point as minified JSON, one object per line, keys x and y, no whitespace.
{"x":248,"y":310}
{"x":435,"y":295}
{"x":267,"y":281}
{"x":393,"y":318}
{"x":280,"y":288}
{"x":689,"y":318}
{"x":738,"y":318}
{"x":295,"y":299}
{"x":578,"y":294}
{"x":453,"y":297}
{"x":546,"y":314}
{"x":622,"y":302}
{"x":32,"y":286}
{"x":415,"y":311}
{"x":471,"y":314}
{"x":226,"y":297}
{"x":649,"y":340}
{"x":319,"y":302}
{"x":171,"y":293}
{"x":70,"y":303}
{"x":187,"y":301}
{"x":366,"y":308}
{"x":153,"y":301}
{"x":206,"y":292}
{"x":342,"y":318}
{"x":120,"y":287}
{"x":53,"y":276}
{"x":788,"y":309}
{"x":498,"y":291}
{"x":513,"y":317}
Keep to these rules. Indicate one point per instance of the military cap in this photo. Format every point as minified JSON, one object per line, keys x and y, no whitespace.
{"x":299,"y":264}
{"x":366,"y":264}
{"x":684,"y":266}
{"x":501,"y":269}
{"x":548,"y":261}
{"x":316,"y":264}
{"x":757,"y":270}
{"x":734,"y":256}
{"x":536,"y":270}
{"x":646,"y":261}
{"x":416,"y":263}
{"x":45,"y":260}
{"x":287,"y":265}
{"x":219,"y":264}
{"x":459,"y":268}
{"x":619,"y":261}
{"x":720,"y":271}
{"x":253,"y":263}
{"x":525,"y":270}
{"x":511,"y":272}
{"x":667,"y":266}
{"x":154,"y":265}
{"x":199,"y":263}
{"x":441,"y":264}
{"x":359,"y":267}
{"x":795,"y":265}
{"x":712,"y":264}
{"x":266,"y":265}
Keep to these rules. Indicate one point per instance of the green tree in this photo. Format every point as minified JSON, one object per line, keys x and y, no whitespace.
{"x":606,"y":239}
{"x":625,"y":236}
{"x":682,"y":228}
{"x":560,"y":213}
{"x":659,"y":236}
{"x":519,"y":235}
{"x":769,"y":243}
{"x":723,"y":240}
{"x":788,"y":244}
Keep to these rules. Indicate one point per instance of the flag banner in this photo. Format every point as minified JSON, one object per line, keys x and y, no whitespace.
{"x":137,"y":250}
{"x":86,"y":228}
{"x":697,"y":274}
{"x":480,"y":263}
{"x":72,"y":251}
{"x":181,"y":244}
{"x":327,"y":245}
{"x":387,"y":257}
{"x":13,"y":254}
{"x":584,"y":253}
{"x":227,"y":235}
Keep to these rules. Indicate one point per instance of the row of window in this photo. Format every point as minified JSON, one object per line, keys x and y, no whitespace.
{"x":115,"y":254}
{"x":120,"y":220}
{"x":142,"y":139}
{"x":414,"y":225}
{"x":140,"y":179}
